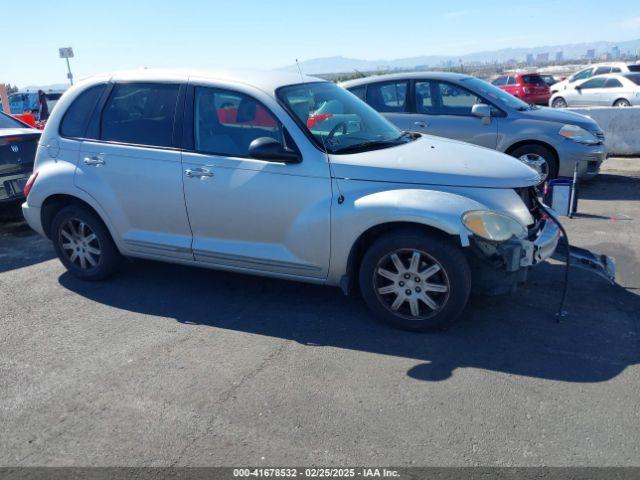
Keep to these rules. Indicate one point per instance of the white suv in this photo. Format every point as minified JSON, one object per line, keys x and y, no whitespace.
{"x":278,"y":175}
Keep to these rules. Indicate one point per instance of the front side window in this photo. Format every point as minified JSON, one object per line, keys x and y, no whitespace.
{"x":602,"y":70}
{"x":581,"y":75}
{"x":359,"y":91}
{"x":494,"y":95}
{"x":388,"y":97}
{"x":337,"y":121}
{"x":511,"y":81}
{"x":424,"y":98}
{"x":593,"y":83}
{"x":456,"y":100}
{"x":226,"y":122}
{"x":77,"y":115}
{"x":140,"y":114}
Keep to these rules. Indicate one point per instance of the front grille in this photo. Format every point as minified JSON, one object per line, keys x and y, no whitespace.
{"x":593,"y":166}
{"x":528,"y":196}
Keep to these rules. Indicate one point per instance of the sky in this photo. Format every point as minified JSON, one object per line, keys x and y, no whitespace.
{"x":109,"y":35}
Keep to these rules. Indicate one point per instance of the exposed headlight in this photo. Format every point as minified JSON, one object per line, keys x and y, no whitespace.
{"x":578,"y":134}
{"x":493,"y":226}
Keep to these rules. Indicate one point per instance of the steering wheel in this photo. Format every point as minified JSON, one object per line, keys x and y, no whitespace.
{"x":335,"y":128}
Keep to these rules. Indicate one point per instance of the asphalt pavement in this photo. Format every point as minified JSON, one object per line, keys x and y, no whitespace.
{"x":170,"y":365}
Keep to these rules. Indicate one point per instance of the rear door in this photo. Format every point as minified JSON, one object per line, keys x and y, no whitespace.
{"x":131,"y":165}
{"x":613,"y":90}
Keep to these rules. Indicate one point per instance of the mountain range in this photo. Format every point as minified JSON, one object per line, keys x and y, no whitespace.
{"x":339,"y":64}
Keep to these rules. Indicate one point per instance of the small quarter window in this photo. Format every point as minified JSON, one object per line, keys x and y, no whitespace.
{"x":74,"y":122}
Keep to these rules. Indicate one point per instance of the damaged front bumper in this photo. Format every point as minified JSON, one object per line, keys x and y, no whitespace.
{"x":498,"y":268}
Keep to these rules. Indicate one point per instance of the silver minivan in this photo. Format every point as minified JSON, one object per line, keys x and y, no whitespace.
{"x":466,"y":108}
{"x":247,"y":172}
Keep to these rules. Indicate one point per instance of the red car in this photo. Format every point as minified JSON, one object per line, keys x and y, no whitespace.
{"x":528,"y":87}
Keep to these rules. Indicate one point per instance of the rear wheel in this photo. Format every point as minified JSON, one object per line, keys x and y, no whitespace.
{"x":84,"y":244}
{"x":415,"y":281}
{"x":622,"y":102}
{"x":559,"y":102}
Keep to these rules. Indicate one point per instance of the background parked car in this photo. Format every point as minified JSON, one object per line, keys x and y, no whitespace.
{"x":617,"y":90}
{"x":18,"y":144}
{"x":594,"y":70}
{"x":529,"y":87}
{"x":472,"y":110}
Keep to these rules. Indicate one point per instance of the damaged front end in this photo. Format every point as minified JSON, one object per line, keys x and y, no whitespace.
{"x":498,"y":267}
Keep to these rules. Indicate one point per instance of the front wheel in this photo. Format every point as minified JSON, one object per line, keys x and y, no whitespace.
{"x":414,"y":280}
{"x":559,"y":102}
{"x":539,"y":158}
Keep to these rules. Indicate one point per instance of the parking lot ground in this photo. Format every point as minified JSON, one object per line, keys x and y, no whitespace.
{"x":168,"y":365}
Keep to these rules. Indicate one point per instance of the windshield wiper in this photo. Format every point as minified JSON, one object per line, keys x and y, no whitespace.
{"x":366,"y":145}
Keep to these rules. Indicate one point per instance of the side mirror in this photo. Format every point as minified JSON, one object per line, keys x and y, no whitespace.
{"x":578,"y":88}
{"x":266,"y":148}
{"x":481,"y":110}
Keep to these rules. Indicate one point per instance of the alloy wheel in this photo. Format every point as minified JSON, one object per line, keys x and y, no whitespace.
{"x":536,"y":162}
{"x":80,"y":244}
{"x":412,"y":284}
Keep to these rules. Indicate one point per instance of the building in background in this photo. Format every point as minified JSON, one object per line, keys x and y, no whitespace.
{"x":559,"y":56}
{"x":542,"y":57}
{"x":591,"y":54}
{"x":529,"y":59}
{"x":615,"y":52}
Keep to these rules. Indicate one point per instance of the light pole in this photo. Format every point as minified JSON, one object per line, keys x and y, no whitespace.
{"x":67,"y":53}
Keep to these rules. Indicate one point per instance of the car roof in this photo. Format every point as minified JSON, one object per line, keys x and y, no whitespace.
{"x":405,"y":76}
{"x":266,"y":80}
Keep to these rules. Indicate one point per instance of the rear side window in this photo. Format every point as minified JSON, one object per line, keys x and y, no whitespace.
{"x":533,"y":80}
{"x":612,"y":83}
{"x":388,"y":97}
{"x":74,"y":122}
{"x":140,"y":114}
{"x":424,"y":100}
{"x":634,"y":67}
{"x":359,"y":91}
{"x":635,"y":78}
{"x":593,"y":83}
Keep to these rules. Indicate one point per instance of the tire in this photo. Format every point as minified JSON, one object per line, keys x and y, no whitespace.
{"x":534,"y":153}
{"x":559,"y":102}
{"x":622,"y":102}
{"x":77,"y":230}
{"x":441,"y":263}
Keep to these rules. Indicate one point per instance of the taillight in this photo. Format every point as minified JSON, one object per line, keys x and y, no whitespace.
{"x":314,"y":120}
{"x":30,"y":182}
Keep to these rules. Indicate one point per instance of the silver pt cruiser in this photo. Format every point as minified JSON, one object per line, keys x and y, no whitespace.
{"x":247,"y":172}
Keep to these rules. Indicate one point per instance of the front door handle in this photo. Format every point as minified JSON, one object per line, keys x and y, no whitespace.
{"x":198,"y":173}
{"x":420,"y":124}
{"x":94,"y":161}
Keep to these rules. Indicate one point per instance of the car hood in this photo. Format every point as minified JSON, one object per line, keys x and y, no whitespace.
{"x":436,"y":161}
{"x":560,"y":116}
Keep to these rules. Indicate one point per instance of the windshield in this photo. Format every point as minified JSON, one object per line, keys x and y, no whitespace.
{"x":494,"y":94}
{"x":338,"y":121}
{"x":7,"y":122}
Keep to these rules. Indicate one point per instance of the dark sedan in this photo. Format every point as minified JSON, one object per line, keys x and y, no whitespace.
{"x":18,"y":144}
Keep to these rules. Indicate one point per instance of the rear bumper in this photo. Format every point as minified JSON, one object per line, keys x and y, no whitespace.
{"x":32,"y":216}
{"x":537,"y":99}
{"x":9,"y":195}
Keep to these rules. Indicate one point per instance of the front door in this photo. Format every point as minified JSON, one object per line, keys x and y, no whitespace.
{"x":444,"y":109}
{"x":248,"y":214}
{"x":132,"y":169}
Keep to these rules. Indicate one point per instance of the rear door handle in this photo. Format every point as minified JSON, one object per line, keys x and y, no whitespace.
{"x":198,"y":173}
{"x":94,"y":161}
{"x":420,"y":124}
